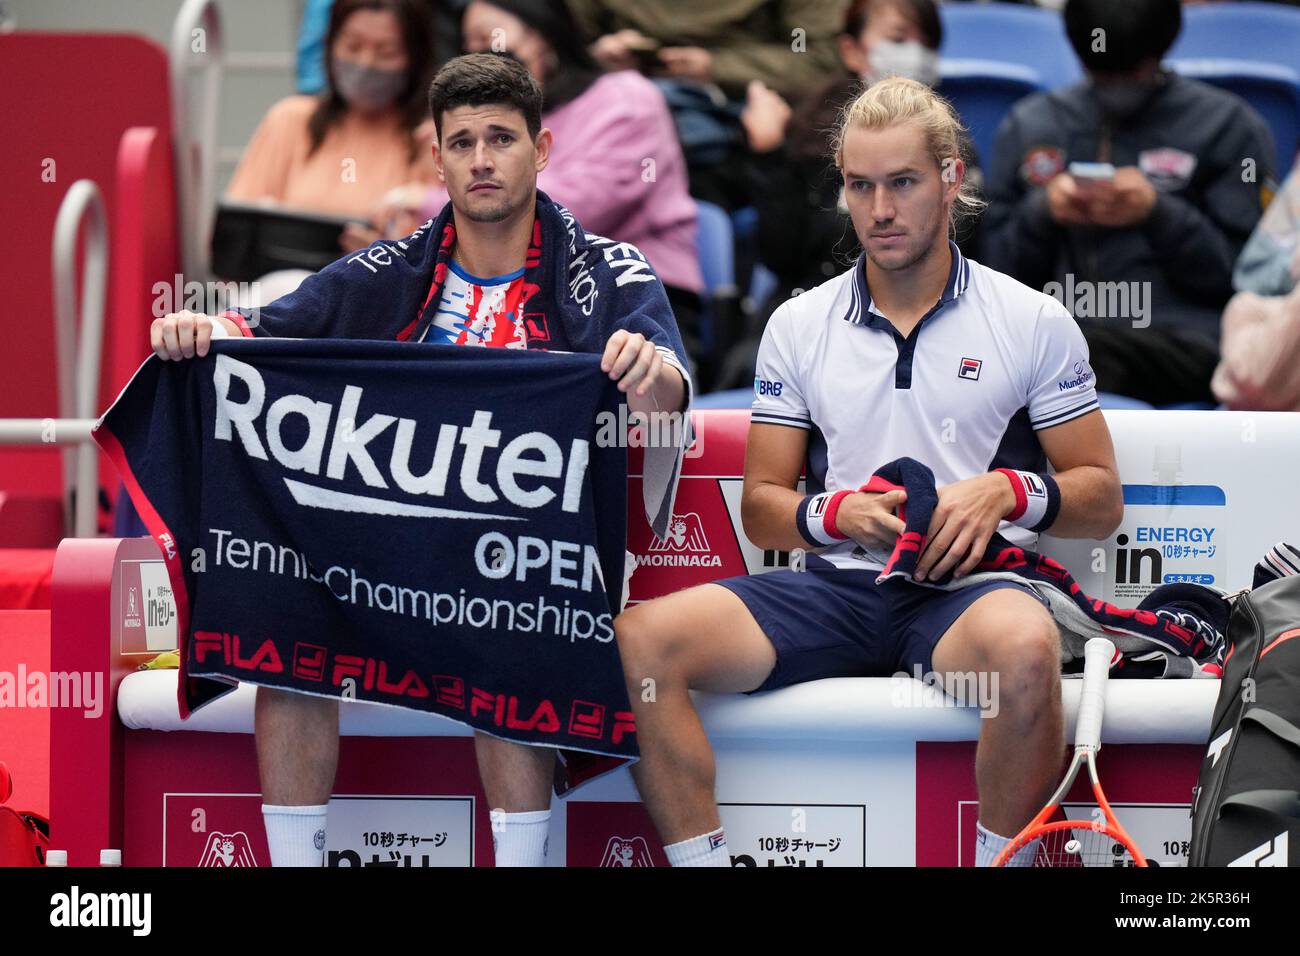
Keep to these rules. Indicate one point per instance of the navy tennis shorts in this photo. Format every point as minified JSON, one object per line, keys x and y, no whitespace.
{"x":840,"y":623}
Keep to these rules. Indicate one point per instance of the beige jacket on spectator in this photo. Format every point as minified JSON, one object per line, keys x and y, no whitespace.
{"x":749,"y":39}
{"x":357,"y":163}
{"x":1260,"y":348}
{"x":1270,"y":262}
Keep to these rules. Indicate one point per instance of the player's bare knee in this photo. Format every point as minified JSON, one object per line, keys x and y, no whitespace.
{"x":1027,"y":659}
{"x":644,"y":644}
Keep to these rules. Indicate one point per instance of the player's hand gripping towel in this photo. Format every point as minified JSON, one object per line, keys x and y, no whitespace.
{"x":419,"y":525}
{"x":1176,"y":631}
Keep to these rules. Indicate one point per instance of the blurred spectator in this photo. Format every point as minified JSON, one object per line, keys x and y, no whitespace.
{"x":615,"y":162}
{"x":366,"y":133}
{"x":704,"y":55}
{"x":443,"y":16}
{"x":787,"y":44}
{"x":1151,"y":242}
{"x":1270,"y":263}
{"x":1260,"y":369}
{"x":804,"y":233}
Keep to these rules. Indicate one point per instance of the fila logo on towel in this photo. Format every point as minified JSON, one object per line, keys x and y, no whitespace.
{"x":225,"y":850}
{"x":1272,"y":853}
{"x":717,"y":840}
{"x":627,"y":852}
{"x":970,"y":368}
{"x":168,"y":544}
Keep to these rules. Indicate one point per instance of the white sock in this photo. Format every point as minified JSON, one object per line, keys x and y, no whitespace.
{"x":296,"y":835}
{"x":521,"y":839}
{"x":988,"y":845}
{"x":707,"y":849}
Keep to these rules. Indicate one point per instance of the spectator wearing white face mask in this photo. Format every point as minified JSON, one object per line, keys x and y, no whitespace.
{"x":804,"y":233}
{"x":341,"y":151}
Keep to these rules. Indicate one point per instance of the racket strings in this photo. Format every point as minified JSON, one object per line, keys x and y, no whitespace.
{"x":1081,"y":846}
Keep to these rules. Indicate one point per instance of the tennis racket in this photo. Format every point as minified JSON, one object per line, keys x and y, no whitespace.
{"x":1098,"y":840}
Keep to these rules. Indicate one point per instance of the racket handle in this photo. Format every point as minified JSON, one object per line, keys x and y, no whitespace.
{"x":1092,"y":700}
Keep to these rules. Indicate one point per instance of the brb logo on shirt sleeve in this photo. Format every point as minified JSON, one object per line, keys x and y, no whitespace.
{"x":763,"y":387}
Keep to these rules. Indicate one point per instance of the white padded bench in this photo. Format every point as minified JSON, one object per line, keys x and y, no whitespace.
{"x":841,"y":709}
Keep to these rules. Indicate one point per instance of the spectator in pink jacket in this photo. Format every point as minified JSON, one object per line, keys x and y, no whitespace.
{"x":616,"y":163}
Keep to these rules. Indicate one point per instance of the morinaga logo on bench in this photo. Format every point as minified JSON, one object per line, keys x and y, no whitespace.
{"x":531,"y":470}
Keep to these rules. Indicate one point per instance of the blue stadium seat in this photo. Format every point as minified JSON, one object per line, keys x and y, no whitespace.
{"x":1259,"y":32}
{"x":1110,"y":400}
{"x":762,"y":284}
{"x":716,"y":245}
{"x":744,"y":222}
{"x":1274,"y":92}
{"x":731,"y":398}
{"x":1009,"y":33}
{"x":983,"y":91}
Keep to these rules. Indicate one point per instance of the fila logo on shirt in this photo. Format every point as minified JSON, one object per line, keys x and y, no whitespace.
{"x":970,"y":368}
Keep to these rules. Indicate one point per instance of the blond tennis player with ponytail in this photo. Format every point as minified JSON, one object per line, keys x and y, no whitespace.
{"x":915,"y":351}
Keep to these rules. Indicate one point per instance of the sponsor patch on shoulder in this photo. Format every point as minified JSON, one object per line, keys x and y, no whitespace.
{"x":1041,"y":163}
{"x":1167,"y":168}
{"x":1083,"y":375}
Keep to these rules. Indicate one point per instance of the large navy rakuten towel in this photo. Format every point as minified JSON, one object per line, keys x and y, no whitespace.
{"x":427,"y":526}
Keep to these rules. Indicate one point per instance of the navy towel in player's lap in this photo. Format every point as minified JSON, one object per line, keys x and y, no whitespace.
{"x":1176,"y":631}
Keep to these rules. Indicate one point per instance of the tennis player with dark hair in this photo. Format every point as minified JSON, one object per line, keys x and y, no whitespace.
{"x":492,"y":270}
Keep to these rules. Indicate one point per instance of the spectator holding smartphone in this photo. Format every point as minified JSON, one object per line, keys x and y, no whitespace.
{"x":1158,"y":236}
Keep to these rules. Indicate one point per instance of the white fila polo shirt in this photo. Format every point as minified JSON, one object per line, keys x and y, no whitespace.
{"x":988,"y":367}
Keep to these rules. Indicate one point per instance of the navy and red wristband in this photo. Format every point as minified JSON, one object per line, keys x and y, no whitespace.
{"x":816,"y":518}
{"x":1038,"y":499}
{"x":239,"y":320}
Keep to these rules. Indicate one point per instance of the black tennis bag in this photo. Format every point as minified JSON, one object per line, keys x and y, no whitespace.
{"x":1246,"y":810}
